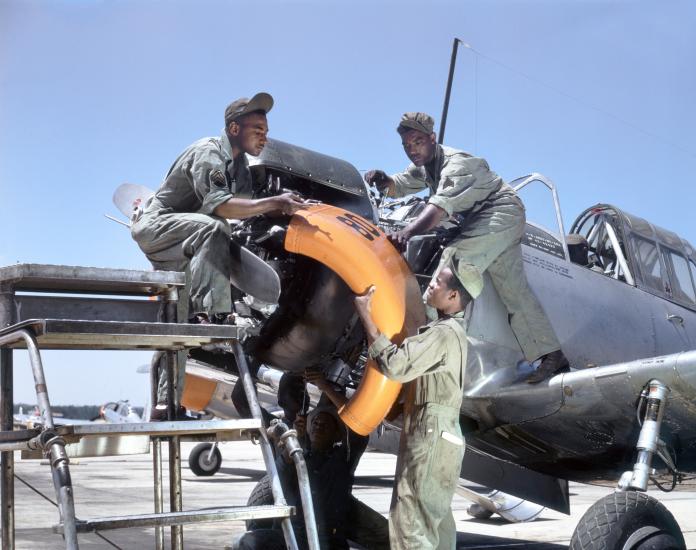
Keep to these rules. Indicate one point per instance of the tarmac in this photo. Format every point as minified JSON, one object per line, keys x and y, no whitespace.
{"x":114,"y":486}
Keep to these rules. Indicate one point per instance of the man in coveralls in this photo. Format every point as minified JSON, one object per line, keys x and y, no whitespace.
{"x":184,"y":226}
{"x":492,"y":224}
{"x":432,"y":365}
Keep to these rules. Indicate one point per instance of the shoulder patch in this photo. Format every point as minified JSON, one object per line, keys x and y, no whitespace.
{"x":217,"y":178}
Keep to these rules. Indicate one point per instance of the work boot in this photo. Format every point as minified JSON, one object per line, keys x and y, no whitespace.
{"x":201,"y":318}
{"x":222,"y":318}
{"x":160,"y":414}
{"x":552,"y":363}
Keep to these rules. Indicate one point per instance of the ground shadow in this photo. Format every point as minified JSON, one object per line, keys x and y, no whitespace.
{"x":470,"y":541}
{"x":373,"y":481}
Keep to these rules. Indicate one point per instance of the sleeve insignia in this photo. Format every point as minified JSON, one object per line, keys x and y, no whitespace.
{"x":217,"y":178}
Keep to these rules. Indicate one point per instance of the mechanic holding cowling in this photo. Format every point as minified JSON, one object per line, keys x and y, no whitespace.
{"x":491,"y":231}
{"x":432,"y":365}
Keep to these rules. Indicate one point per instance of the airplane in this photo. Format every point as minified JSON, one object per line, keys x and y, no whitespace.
{"x":118,"y":412}
{"x":30,"y":420}
{"x":622,"y":417}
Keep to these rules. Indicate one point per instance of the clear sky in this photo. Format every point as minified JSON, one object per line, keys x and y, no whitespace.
{"x":597,"y":95}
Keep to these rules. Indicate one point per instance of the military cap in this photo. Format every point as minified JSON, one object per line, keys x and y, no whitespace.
{"x":416,"y":121}
{"x":469,"y":275}
{"x":243,"y":106}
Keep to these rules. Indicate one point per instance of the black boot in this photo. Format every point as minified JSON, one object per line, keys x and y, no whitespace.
{"x":552,"y":363}
{"x":160,"y":415}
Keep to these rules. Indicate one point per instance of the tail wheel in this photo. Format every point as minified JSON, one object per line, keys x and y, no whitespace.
{"x":202,"y":462}
{"x":627,"y":521}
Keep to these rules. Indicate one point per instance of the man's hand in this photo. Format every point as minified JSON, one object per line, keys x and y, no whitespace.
{"x":300,"y":424}
{"x":378,"y":178}
{"x":363,"y":303}
{"x":317,"y":378}
{"x":400,"y":238}
{"x":289,"y":203}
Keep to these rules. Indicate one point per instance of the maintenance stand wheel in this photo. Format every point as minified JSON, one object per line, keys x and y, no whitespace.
{"x":627,"y":521}
{"x":199,"y":462}
{"x":261,"y":495}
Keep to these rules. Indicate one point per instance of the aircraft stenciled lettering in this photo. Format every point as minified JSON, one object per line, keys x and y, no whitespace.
{"x":360,"y":225}
{"x":550,"y":266}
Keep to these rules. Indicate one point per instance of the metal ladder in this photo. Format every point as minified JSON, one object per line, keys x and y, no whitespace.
{"x":48,"y":333}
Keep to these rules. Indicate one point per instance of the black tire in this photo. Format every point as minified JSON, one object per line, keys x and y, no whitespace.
{"x":627,"y":520}
{"x":477,"y":511}
{"x":261,"y":495}
{"x":199,"y":463}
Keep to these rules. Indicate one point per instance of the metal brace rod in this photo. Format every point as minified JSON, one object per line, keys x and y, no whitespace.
{"x":266,"y":449}
{"x":174,"y":379}
{"x":55,"y":445}
{"x":7,"y":519}
{"x":287,"y":440}
{"x":157,"y":488}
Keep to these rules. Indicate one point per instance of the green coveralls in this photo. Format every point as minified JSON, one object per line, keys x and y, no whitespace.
{"x":494,"y":221}
{"x":431,"y":447}
{"x":177,"y":230}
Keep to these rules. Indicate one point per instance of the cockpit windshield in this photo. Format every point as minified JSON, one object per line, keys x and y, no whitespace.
{"x":630,"y":249}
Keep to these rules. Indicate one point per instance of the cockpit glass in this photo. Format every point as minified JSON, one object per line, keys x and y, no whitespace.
{"x":649,"y":261}
{"x":682,"y":288}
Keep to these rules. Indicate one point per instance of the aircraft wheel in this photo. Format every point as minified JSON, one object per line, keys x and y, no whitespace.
{"x":199,"y":462}
{"x":477,"y":511}
{"x":261,"y":495}
{"x":627,"y":521}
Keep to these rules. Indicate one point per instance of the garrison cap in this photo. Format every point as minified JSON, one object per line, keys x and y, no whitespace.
{"x":242,"y":106}
{"x":416,"y":121}
{"x":469,"y":275}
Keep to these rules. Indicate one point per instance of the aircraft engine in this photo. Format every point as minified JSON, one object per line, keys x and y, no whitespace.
{"x":323,"y":257}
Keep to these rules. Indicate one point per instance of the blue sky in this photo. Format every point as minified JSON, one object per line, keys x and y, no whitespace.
{"x":596,"y":95}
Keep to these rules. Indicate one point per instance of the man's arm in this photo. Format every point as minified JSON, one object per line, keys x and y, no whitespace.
{"x":415,"y":356}
{"x":319,"y":380}
{"x":205,"y":168}
{"x":426,"y":220}
{"x":397,"y":185}
{"x":363,"y":305}
{"x":239,"y":209}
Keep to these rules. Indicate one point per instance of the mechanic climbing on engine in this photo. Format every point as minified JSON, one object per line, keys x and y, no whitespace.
{"x":184,"y":227}
{"x":491,"y":219}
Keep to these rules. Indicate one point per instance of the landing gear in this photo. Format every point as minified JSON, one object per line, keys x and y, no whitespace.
{"x":205,"y":459}
{"x":627,"y":521}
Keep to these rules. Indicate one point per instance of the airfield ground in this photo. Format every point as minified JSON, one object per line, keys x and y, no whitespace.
{"x":122,"y":485}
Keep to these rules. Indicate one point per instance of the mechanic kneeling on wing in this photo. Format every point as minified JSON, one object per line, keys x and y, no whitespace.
{"x":432,"y":365}
{"x":492,"y":226}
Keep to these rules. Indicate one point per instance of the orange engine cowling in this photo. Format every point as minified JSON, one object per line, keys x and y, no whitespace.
{"x":361,"y":255}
